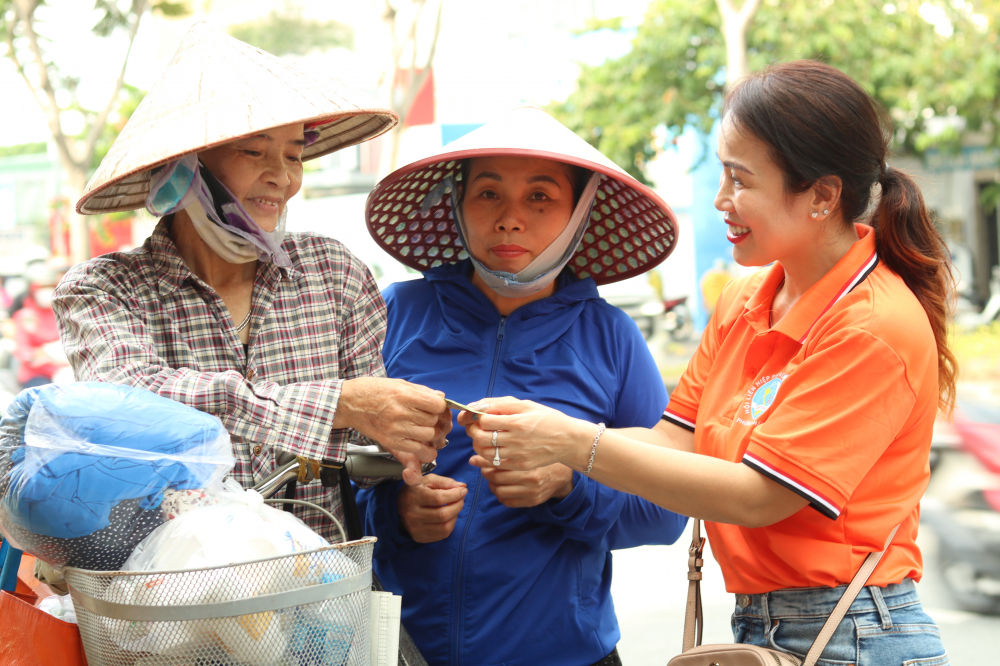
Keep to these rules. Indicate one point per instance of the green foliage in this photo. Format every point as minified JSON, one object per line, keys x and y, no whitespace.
{"x":23,"y":149}
{"x":675,"y":73}
{"x":172,"y":9}
{"x":117,"y":15}
{"x":114,"y":17}
{"x":290,"y":34}
{"x":989,"y":197}
{"x":977,"y":351}
{"x":128,"y":99}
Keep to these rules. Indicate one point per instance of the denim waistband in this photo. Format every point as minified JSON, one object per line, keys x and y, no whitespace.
{"x":820,"y":601}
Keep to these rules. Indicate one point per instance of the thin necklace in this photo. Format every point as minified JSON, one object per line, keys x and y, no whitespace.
{"x":246,"y":320}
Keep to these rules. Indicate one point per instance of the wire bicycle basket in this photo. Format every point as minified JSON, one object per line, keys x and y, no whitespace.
{"x":305,"y":609}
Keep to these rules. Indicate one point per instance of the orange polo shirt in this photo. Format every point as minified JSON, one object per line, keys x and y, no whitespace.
{"x":835,"y":402}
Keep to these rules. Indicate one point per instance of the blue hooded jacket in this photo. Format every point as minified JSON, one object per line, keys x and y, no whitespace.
{"x":517,"y":586}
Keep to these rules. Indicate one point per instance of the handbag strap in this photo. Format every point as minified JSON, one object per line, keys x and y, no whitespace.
{"x":850,"y":594}
{"x":692,"y":615}
{"x":693,"y":620}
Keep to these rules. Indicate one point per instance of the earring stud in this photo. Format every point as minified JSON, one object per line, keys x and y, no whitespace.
{"x":815,"y":215}
{"x":826,"y":212}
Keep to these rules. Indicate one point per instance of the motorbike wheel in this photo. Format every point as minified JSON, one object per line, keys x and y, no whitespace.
{"x":683,"y":326}
{"x":961,"y":579}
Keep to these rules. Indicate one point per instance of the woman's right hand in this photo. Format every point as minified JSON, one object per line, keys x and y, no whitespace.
{"x":429,"y":511}
{"x":408,"y":420}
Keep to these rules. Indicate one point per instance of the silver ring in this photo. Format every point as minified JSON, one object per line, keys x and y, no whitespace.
{"x":496,"y":450}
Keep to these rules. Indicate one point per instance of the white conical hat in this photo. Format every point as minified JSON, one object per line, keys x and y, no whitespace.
{"x":217,"y":89}
{"x":631,"y":228}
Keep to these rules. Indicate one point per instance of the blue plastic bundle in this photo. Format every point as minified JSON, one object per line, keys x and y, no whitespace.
{"x":83,"y":468}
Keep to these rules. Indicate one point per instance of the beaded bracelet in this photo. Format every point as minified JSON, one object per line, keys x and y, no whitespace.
{"x":593,"y":450}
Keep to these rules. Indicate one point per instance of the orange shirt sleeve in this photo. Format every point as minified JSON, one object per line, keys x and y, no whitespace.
{"x":834,"y":416}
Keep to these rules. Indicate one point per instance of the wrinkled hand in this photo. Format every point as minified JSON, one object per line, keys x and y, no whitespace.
{"x":526,"y":489}
{"x":408,"y":420}
{"x":531,"y":435}
{"x":428,"y":511}
{"x":412,"y":473}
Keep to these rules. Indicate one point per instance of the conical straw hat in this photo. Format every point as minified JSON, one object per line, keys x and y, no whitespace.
{"x":217,"y":89}
{"x":631,"y":228}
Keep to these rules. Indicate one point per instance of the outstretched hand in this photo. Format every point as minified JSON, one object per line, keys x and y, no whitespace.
{"x":529,"y":435}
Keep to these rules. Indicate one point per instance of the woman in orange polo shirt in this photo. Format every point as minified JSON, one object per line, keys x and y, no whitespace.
{"x":802,"y":426}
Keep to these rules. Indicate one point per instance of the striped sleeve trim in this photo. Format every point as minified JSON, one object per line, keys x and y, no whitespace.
{"x":816,"y":499}
{"x":678,"y":420}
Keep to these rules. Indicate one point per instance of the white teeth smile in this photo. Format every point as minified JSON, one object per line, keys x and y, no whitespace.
{"x":737,"y":230}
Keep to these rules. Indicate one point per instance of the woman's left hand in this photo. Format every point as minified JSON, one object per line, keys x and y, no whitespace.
{"x":522,"y":490}
{"x":529,"y":435}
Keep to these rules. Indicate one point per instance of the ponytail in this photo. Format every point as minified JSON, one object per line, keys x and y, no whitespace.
{"x":909,"y":244}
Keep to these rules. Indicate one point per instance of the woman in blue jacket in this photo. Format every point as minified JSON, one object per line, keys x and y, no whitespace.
{"x":497,"y":566}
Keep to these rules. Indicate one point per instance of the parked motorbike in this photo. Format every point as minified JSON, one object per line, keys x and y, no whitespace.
{"x":677,"y":319}
{"x":964,"y":509}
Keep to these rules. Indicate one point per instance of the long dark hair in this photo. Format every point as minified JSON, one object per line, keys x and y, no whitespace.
{"x":818,"y":122}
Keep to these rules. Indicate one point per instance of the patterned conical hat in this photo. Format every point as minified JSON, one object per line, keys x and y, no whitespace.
{"x":217,"y":89}
{"x":631,"y":228}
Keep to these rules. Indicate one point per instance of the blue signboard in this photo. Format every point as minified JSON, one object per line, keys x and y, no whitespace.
{"x":456,"y":131}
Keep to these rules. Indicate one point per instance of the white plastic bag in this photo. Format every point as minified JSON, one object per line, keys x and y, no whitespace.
{"x":239,"y":528}
{"x":60,"y":606}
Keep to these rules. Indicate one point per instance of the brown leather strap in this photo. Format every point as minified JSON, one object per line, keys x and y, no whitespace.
{"x":692,"y":616}
{"x":832,"y":622}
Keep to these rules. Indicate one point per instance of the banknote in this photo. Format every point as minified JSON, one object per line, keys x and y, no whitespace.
{"x":453,"y":404}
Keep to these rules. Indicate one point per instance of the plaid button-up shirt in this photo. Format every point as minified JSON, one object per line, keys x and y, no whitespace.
{"x":142,"y":318}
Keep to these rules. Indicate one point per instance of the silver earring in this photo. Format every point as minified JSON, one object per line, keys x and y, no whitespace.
{"x":815,"y":215}
{"x":826,"y":212}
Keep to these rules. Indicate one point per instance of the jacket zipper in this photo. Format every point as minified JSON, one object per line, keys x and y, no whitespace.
{"x":472,"y":510}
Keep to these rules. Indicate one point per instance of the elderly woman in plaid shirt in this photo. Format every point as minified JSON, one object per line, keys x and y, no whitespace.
{"x":278,"y":335}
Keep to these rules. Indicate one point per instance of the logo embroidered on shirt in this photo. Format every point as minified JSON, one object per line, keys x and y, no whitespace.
{"x":763,"y":397}
{"x":760,"y":397}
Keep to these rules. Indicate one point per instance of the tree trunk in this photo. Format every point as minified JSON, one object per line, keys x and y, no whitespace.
{"x":736,"y":51}
{"x":79,"y":232}
{"x":401,"y":102}
{"x":397,"y":137}
{"x":734,"y":29}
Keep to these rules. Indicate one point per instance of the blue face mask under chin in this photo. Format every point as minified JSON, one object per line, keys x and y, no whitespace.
{"x":546,"y":267}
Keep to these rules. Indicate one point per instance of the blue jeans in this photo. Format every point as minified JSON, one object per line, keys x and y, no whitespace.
{"x":884,"y":626}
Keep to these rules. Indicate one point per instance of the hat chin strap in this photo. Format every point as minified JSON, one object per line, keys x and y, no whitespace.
{"x":545,"y":268}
